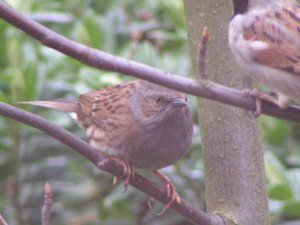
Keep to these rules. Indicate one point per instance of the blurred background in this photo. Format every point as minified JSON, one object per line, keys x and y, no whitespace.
{"x":152,"y":32}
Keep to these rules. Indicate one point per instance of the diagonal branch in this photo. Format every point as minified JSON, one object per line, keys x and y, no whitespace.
{"x":2,"y":221}
{"x":48,"y":201}
{"x":105,"y":61}
{"x":103,"y":163}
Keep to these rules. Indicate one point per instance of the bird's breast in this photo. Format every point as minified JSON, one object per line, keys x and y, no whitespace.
{"x":163,"y":144}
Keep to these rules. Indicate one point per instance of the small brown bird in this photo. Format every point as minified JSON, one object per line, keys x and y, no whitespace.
{"x":264,"y":36}
{"x":137,"y":123}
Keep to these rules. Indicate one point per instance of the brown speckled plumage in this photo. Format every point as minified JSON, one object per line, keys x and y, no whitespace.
{"x":137,"y":121}
{"x":264,"y":36}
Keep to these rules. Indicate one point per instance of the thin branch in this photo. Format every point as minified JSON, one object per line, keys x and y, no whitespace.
{"x":13,"y":193}
{"x":110,"y":166}
{"x":48,"y":200}
{"x":202,"y":46}
{"x":105,"y":61}
{"x":2,"y":221}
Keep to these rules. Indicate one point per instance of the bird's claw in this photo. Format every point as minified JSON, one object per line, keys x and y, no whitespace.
{"x":128,"y":173}
{"x":258,"y":100}
{"x":282,"y":101}
{"x":171,"y":192}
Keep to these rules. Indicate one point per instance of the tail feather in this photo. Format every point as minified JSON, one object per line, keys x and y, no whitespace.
{"x":63,"y":105}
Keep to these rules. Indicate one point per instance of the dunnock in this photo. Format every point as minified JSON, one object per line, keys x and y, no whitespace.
{"x":137,"y":123}
{"x":264,"y":37}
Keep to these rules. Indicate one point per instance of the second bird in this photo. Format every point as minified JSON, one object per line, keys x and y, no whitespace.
{"x":264,"y":36}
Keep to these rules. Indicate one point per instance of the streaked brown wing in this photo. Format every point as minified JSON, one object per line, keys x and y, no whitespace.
{"x":285,"y":58}
{"x":279,"y":31}
{"x":108,"y":117}
{"x":102,"y":104}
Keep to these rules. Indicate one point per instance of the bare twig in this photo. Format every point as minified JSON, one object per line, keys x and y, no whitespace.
{"x":13,"y":193}
{"x":202,"y":46}
{"x":2,"y":220}
{"x":109,"y":62}
{"x":48,"y":199}
{"x":110,"y":166}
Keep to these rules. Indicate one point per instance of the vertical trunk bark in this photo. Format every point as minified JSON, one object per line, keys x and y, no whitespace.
{"x":232,"y":149}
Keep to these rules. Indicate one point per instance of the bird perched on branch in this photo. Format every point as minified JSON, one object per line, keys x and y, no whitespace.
{"x":264,"y":36}
{"x":137,"y":123}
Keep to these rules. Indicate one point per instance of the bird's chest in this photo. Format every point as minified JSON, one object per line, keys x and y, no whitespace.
{"x":163,"y":145}
{"x":240,"y":47}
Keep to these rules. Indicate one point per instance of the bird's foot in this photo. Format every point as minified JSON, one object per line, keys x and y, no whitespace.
{"x":128,"y":172}
{"x":171,"y":192}
{"x":282,"y":101}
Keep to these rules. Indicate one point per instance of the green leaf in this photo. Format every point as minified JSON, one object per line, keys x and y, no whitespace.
{"x":175,"y":10}
{"x":293,"y":176}
{"x":292,"y":209}
{"x":275,"y":131}
{"x":275,"y":170}
{"x":96,"y":32}
{"x":280,"y":192}
{"x":3,"y":97}
{"x":145,"y":53}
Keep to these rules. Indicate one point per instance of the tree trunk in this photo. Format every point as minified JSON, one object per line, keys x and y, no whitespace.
{"x":231,"y":142}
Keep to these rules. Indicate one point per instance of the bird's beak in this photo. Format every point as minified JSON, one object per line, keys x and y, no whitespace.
{"x":179,"y":102}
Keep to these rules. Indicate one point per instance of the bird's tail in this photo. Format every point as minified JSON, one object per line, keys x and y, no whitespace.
{"x":63,"y":105}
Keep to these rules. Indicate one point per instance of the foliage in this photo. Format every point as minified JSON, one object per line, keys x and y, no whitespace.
{"x":149,"y":32}
{"x":282,"y":162}
{"x":152,"y":32}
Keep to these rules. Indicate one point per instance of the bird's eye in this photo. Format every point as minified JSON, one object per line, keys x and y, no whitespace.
{"x":158,"y":99}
